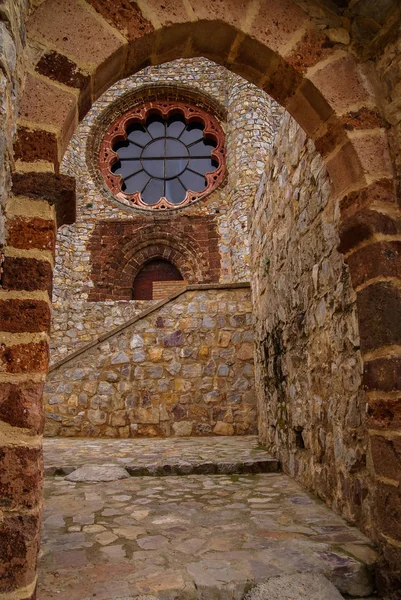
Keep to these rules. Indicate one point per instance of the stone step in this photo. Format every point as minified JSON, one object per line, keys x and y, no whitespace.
{"x":110,"y":472}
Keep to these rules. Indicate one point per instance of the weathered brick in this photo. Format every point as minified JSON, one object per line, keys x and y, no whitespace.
{"x":19,"y":545}
{"x":20,"y":477}
{"x":21,"y":405}
{"x":24,"y":358}
{"x":383,"y":374}
{"x":379,"y":311}
{"x":32,"y":145}
{"x":28,"y":233}
{"x":26,"y":274}
{"x":56,"y":189}
{"x":382,"y":259}
{"x":20,"y":316}
{"x":386,"y":456}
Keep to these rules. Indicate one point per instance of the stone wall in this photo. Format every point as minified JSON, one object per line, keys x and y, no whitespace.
{"x":308,"y":364}
{"x":185,"y":369}
{"x":97,"y":257}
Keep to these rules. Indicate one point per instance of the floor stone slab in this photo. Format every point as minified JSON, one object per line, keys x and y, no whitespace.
{"x":199,"y":537}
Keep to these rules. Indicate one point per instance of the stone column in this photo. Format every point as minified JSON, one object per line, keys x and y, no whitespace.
{"x":39,"y":201}
{"x":252,"y":123}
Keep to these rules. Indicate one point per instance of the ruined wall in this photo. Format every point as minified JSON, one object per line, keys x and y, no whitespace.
{"x":185,"y":369}
{"x":96,"y":258}
{"x":308,"y":366}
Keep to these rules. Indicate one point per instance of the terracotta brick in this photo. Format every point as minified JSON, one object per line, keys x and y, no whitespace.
{"x":363,"y":225}
{"x":58,"y":67}
{"x":343,"y":84}
{"x":373,"y":153}
{"x":384,"y":413}
{"x":309,"y":108}
{"x":21,"y":405}
{"x":213,"y":40}
{"x":381,"y":191}
{"x":388,"y":511}
{"x":379,"y":311}
{"x":383,"y":374}
{"x":177,"y":240}
{"x":31,"y":233}
{"x":276,"y":22}
{"x":72,"y":28}
{"x":334,"y":136}
{"x":345,"y":169}
{"x":19,"y":545}
{"x":20,"y":316}
{"x":24,"y":358}
{"x":21,"y":470}
{"x":382,"y":259}
{"x":282,"y":84}
{"x":364,"y":118}
{"x":126,"y":17}
{"x":386,"y":456}
{"x":26,"y":274}
{"x":311,"y":49}
{"x":56,"y":189}
{"x":38,"y":96}
{"x":35,"y":144}
{"x":232,"y":12}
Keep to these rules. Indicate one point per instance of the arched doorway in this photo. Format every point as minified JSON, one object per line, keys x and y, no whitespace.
{"x":156,"y":280}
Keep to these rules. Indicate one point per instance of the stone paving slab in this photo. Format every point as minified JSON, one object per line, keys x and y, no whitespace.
{"x":172,"y":456}
{"x":201,"y":537}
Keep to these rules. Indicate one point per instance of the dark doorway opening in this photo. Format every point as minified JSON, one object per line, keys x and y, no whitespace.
{"x":156,"y":270}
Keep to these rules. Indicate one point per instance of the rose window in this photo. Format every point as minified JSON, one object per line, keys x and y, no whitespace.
{"x":165,"y":155}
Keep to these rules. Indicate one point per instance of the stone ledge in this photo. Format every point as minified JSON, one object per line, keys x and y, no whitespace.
{"x":267,"y":465}
{"x":145,"y":313}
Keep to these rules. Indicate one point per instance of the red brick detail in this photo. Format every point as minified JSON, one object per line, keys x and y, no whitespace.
{"x":19,"y":545}
{"x":381,"y":191}
{"x":124,"y":16}
{"x":380,"y":259}
{"x":20,"y":316}
{"x":363,"y":225}
{"x":383,"y":374}
{"x":21,"y":405}
{"x":56,"y":189}
{"x":386,"y":456}
{"x":154,"y":270}
{"x":26,"y":274}
{"x":139,"y":114}
{"x":163,"y":289}
{"x":24,"y":358}
{"x":379,"y":310}
{"x":27,"y":233}
{"x":35,"y":144}
{"x":20,"y":476}
{"x":388,"y":511}
{"x":58,"y":67}
{"x":311,"y":49}
{"x":119,"y":249}
{"x":384,"y":413}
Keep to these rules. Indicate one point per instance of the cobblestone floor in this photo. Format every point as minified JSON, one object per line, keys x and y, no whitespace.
{"x":198,"y":536}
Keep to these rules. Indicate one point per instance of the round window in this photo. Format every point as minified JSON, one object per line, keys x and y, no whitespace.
{"x":163,"y":155}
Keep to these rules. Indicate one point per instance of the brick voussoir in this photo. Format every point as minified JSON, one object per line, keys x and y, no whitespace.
{"x":56,"y":189}
{"x":379,"y":310}
{"x":383,"y":374}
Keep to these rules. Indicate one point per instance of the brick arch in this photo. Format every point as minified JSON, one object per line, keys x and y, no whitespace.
{"x":87,"y":46}
{"x":114,"y":270}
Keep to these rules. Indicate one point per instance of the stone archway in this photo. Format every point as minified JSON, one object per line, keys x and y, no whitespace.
{"x":81,"y":48}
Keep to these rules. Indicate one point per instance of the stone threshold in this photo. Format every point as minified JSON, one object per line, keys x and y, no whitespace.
{"x":110,"y":471}
{"x":145,"y":313}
